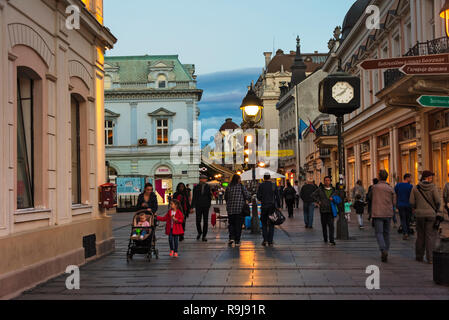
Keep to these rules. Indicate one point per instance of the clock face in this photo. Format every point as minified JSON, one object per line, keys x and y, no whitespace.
{"x":342,"y":92}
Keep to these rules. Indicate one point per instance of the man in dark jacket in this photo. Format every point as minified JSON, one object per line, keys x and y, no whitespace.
{"x":268,"y":195}
{"x":323,"y":197}
{"x":309,"y":204}
{"x":201,"y":201}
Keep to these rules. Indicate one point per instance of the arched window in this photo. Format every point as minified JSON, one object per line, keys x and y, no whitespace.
{"x":161,"y":81}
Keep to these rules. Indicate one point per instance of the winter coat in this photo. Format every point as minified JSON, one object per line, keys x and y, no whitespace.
{"x":422,"y":208}
{"x":268,"y":195}
{"x":307,"y":191}
{"x":236,"y":197}
{"x":383,"y":200}
{"x":151,"y":204}
{"x":289,"y":194}
{"x":319,"y":196}
{"x":201,"y":200}
{"x":177,"y":226}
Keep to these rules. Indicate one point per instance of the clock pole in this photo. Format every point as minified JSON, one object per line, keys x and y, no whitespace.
{"x":341,"y":151}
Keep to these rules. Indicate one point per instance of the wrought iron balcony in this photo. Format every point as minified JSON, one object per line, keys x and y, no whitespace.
{"x":391,"y":76}
{"x":325,"y":153}
{"x":327,"y":130}
{"x":435,"y":46}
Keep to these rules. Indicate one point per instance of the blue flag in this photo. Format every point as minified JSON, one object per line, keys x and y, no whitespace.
{"x":302,"y":126}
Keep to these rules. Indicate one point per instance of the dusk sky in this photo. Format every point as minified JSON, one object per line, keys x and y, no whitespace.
{"x":225,"y":39}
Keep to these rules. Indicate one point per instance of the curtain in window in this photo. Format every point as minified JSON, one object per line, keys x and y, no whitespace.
{"x":25,"y":170}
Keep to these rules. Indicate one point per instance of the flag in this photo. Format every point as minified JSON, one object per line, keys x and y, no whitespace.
{"x":311,"y":127}
{"x":302,"y":126}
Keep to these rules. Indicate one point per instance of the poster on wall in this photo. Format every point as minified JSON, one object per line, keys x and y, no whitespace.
{"x":130,"y":185}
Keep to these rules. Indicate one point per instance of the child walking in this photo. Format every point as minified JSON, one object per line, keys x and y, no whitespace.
{"x":174,"y":219}
{"x":359,"y":206}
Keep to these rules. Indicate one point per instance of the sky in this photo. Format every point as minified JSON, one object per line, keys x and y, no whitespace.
{"x":225,"y":39}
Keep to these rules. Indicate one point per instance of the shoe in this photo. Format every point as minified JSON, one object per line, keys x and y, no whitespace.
{"x":270,"y":244}
{"x":141,"y":237}
{"x":430,"y":262}
{"x":264,"y":243}
{"x":405,"y":237}
{"x":384,"y":256}
{"x":332,"y":243}
{"x":176,"y":255}
{"x":198,"y":237}
{"x":204,"y":239}
{"x":171,"y":253}
{"x":230,"y":243}
{"x":237,"y":244}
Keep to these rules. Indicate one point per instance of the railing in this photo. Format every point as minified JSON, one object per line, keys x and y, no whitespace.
{"x":327,"y":130}
{"x":127,"y":203}
{"x":325,"y":153}
{"x":435,"y":46}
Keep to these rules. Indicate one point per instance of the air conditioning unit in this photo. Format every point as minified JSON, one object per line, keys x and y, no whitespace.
{"x":143,"y":142}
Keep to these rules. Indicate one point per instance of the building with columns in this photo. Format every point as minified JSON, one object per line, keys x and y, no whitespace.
{"x":148,"y":100}
{"x":52,"y":158}
{"x":390,"y":130}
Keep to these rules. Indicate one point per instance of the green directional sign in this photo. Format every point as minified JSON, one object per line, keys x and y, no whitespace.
{"x":434,"y":101}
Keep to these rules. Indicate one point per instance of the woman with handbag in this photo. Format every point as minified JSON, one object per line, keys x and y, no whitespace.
{"x":236,"y":197}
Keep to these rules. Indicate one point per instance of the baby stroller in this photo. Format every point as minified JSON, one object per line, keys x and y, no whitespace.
{"x":147,"y":244}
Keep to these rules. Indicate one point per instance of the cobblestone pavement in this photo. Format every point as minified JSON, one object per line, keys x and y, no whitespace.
{"x":299,"y":267}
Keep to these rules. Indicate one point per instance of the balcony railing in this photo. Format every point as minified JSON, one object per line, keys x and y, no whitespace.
{"x":435,"y":46}
{"x":325,"y":153}
{"x":327,"y":130}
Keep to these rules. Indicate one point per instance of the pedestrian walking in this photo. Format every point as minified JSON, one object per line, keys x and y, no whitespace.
{"x":201,"y":201}
{"x":359,"y":207}
{"x":308,"y":203}
{"x":369,"y":198}
{"x":403,"y":191}
{"x":173,"y":228}
{"x":236,"y":196}
{"x":426,"y":202}
{"x":268,"y":195}
{"x":383,"y":205}
{"x":221,"y":193}
{"x":290,"y":198}
{"x":183,"y":198}
{"x":323,"y":197}
{"x":297,"y":190}
{"x":281,"y":195}
{"x":358,"y":190}
{"x":148,"y":199}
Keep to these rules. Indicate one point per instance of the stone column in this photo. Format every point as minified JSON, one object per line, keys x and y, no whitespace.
{"x":358,"y":161}
{"x":373,"y":155}
{"x":395,"y":156}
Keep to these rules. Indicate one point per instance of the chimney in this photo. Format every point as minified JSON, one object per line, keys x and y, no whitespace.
{"x":267,"y":58}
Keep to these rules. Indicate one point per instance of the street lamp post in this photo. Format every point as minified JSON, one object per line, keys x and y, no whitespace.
{"x":252,"y":107}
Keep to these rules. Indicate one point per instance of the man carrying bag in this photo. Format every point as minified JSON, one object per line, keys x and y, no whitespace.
{"x":268,"y":195}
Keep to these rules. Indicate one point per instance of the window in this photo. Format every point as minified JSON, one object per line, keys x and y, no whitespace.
{"x":25,"y":143}
{"x":109,"y":132}
{"x":384,"y":140}
{"x":407,"y":132}
{"x":161,"y":81}
{"x":76,"y":151}
{"x":396,"y":46}
{"x":162,"y":131}
{"x":408,"y":37}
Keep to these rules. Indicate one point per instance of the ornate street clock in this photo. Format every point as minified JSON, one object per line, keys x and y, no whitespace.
{"x":339,"y":94}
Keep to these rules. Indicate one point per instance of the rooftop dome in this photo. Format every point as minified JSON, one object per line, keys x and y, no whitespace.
{"x":353,"y":15}
{"x":229,"y":125}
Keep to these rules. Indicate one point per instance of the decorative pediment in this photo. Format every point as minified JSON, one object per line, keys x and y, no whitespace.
{"x":161,"y":66}
{"x":110,"y":114}
{"x":162,"y":112}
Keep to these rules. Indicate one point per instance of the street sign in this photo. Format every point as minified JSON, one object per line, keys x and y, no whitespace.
{"x":434,"y":101}
{"x":395,"y":63}
{"x":429,"y":69}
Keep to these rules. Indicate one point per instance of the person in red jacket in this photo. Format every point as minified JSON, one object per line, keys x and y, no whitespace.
{"x":174,"y":219}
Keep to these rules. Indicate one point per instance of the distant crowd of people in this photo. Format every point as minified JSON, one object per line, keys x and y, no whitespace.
{"x":416,"y":205}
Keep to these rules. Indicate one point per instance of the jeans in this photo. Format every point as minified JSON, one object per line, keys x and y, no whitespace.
{"x":267,"y":225}
{"x":327,"y":222}
{"x":290,"y":204}
{"x":360,"y":218}
{"x":406,"y":216}
{"x":382,"y":227}
{"x":235,"y":227}
{"x":425,"y":241}
{"x":202,"y":214}
{"x":309,"y":212}
{"x":173,"y":240}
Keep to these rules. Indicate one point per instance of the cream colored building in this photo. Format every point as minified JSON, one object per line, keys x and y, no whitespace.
{"x":52,"y":157}
{"x":390,"y":131}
